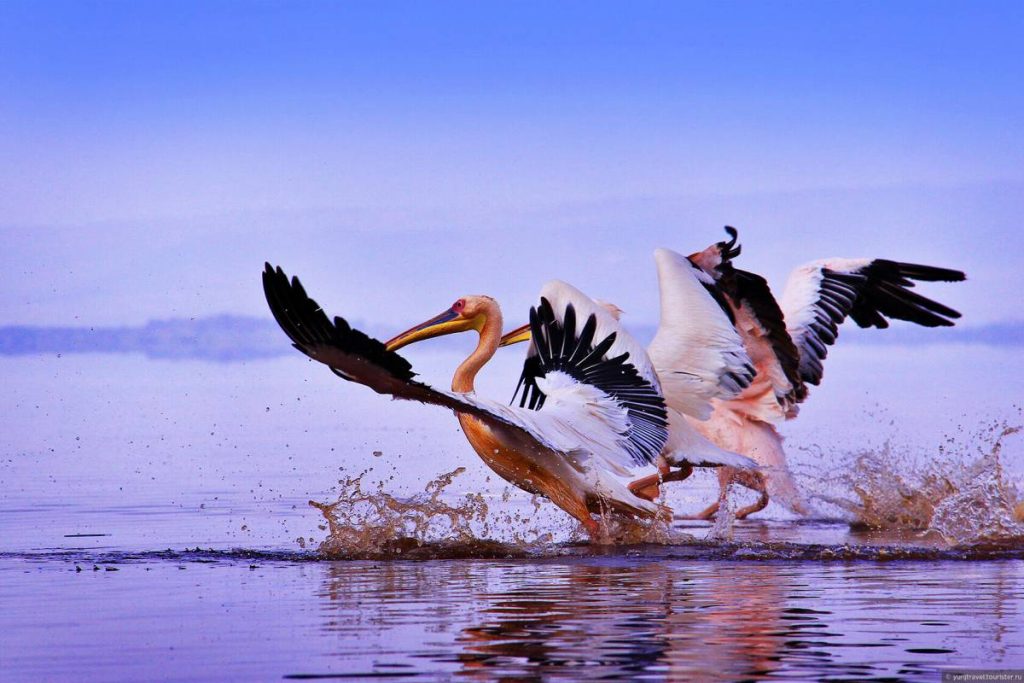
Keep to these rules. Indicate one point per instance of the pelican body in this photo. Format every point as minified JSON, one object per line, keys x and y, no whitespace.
{"x":598,"y":409}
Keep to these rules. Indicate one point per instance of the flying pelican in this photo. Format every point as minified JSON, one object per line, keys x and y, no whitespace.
{"x":786,"y":346}
{"x":596,"y":402}
{"x":788,"y":343}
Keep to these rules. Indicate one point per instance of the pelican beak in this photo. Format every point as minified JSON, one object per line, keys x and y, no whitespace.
{"x":448,"y":322}
{"x":520,"y":334}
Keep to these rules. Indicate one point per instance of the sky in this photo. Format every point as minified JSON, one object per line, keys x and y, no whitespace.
{"x":399,"y":155}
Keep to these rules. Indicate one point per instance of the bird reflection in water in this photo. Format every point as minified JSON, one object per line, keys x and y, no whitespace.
{"x":557,"y":620}
{"x":630,"y":619}
{"x":642,"y":613}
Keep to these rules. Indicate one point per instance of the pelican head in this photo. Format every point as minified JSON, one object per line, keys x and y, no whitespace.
{"x":718,"y":257}
{"x":468,"y":313}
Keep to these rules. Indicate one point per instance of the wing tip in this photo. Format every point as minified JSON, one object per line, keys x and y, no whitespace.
{"x":309,"y":327}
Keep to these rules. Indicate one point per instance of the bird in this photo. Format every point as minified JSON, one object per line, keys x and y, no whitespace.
{"x":596,"y":407}
{"x":735,"y":396}
{"x":788,"y":341}
{"x":698,"y":357}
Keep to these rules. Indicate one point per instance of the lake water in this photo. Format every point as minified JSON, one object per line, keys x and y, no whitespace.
{"x":155,"y":525}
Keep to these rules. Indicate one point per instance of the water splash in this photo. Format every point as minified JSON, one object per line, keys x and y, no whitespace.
{"x":368,"y":522}
{"x":960,"y":503}
{"x":374,"y":523}
{"x":618,"y":530}
{"x":987,"y":507}
{"x":723,"y":527}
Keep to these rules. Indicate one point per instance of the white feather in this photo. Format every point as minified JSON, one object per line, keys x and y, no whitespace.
{"x":686,"y":444}
{"x":696,"y":345}
{"x":586,"y":416}
{"x":801,"y":294}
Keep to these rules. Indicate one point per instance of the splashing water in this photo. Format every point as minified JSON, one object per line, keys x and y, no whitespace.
{"x":961,"y":504}
{"x":370,"y":524}
{"x":987,"y":508}
{"x":367,"y":522}
{"x":615,"y":529}
{"x":725,"y":520}
{"x":375,"y":524}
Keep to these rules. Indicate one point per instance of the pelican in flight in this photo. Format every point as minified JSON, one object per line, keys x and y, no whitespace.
{"x":788,"y":342}
{"x":785,"y":345}
{"x":596,"y":402}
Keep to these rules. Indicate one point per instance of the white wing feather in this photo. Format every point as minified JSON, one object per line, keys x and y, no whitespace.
{"x":802,"y":293}
{"x":686,"y":444}
{"x":812,"y":314}
{"x":696,"y":349}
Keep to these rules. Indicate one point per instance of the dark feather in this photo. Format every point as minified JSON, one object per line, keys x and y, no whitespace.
{"x":871,"y":296}
{"x":557,"y":347}
{"x":311,"y":330}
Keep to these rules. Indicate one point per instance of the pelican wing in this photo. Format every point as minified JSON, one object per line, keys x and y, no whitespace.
{"x":354,"y":356}
{"x":594,"y":380}
{"x":768,"y":341}
{"x":698,"y":354}
{"x":759,"y":321}
{"x":686,"y":444}
{"x":820,"y":295}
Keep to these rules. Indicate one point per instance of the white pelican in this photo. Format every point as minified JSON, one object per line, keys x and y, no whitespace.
{"x":788,"y":343}
{"x":698,"y":357}
{"x":703,"y":342}
{"x":596,"y":403}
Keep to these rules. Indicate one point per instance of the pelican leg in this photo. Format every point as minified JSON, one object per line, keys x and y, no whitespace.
{"x":649,"y":487}
{"x":707,"y":513}
{"x":756,"y":482}
{"x":684,"y":471}
{"x":726,"y":476}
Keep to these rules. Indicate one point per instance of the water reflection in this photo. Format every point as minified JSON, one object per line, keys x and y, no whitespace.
{"x":672,"y":620}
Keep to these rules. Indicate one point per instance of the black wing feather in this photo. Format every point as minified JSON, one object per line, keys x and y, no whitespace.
{"x":557,"y":347}
{"x":752,"y":291}
{"x":310,"y":329}
{"x":871,"y":296}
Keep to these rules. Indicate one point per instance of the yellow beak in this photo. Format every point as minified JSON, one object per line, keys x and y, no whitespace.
{"x":448,"y":322}
{"x":520,"y":334}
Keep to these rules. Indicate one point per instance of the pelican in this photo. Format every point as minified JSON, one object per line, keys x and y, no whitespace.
{"x":788,"y":342}
{"x":698,"y":357}
{"x":596,"y":402}
{"x":785,"y":345}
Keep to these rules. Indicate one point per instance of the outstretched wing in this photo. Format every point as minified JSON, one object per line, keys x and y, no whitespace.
{"x":354,"y":356}
{"x":697,"y":352}
{"x":597,"y":370}
{"x":820,"y":295}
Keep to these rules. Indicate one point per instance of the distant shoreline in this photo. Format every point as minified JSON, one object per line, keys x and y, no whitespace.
{"x":232,"y":338}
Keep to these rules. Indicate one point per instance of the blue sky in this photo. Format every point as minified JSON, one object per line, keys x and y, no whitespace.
{"x":155,"y":153}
